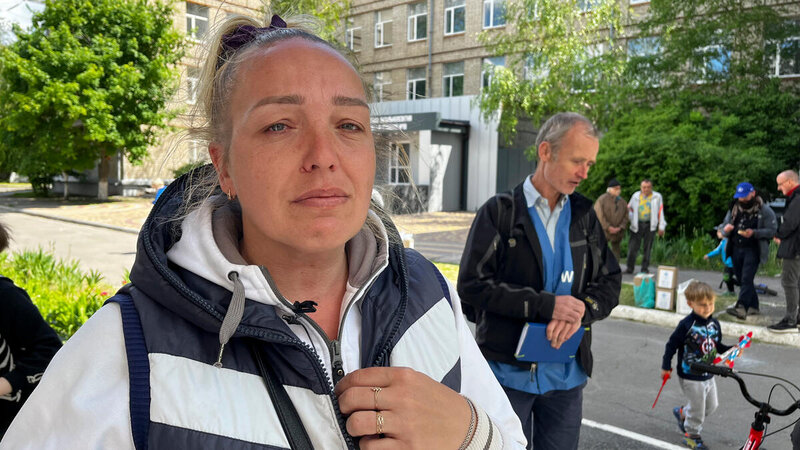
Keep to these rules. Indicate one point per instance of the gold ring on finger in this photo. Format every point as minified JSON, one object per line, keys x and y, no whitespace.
{"x":378,"y":422}
{"x":375,"y":391}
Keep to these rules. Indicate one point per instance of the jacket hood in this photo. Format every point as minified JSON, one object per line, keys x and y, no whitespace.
{"x":191,"y":265}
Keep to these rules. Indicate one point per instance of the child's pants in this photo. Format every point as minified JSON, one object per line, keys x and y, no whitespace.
{"x":702,"y":402}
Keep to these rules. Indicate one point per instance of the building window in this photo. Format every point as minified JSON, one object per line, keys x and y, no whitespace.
{"x":487,"y":69}
{"x":353,"y":39}
{"x":196,"y":20}
{"x":383,"y":28}
{"x":415,"y":83}
{"x":784,"y":58}
{"x":453,"y":79}
{"x":192,"y":80}
{"x":716,"y":60}
{"x":399,"y":168}
{"x":644,"y":46}
{"x":585,"y":79}
{"x":417,"y":21}
{"x":642,"y":53}
{"x":494,"y":13}
{"x":454,"y":16}
{"x":382,"y":80}
{"x":588,"y":5}
{"x":534,"y":67}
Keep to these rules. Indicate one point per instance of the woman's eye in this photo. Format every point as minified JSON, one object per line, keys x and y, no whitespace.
{"x":277,"y":127}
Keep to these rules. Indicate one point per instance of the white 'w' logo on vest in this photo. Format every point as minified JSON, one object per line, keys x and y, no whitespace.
{"x":566,"y":276}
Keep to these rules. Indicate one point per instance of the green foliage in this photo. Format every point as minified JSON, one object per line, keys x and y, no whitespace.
{"x":718,"y":57}
{"x":330,"y":13}
{"x":65,"y":295}
{"x":697,"y":38}
{"x":553,"y":62}
{"x":91,"y":78}
{"x":694,"y":159}
{"x":188,"y":167}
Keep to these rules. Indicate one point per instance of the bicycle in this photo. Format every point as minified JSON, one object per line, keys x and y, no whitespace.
{"x":759,"y":426}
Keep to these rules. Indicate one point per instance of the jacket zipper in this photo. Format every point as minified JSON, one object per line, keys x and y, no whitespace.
{"x":267,"y":335}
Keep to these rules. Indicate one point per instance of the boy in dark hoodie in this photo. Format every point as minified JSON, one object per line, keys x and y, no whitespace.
{"x":697,"y":338}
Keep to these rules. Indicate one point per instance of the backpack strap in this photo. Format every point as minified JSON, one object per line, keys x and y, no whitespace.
{"x":138,"y":369}
{"x":506,"y":214}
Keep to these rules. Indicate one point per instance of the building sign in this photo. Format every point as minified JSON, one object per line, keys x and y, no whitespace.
{"x":405,"y":122}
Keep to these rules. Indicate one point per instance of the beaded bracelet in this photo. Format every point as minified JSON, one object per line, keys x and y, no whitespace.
{"x":473,"y":416}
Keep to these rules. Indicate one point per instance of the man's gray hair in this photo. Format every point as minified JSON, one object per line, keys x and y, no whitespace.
{"x":556,"y":127}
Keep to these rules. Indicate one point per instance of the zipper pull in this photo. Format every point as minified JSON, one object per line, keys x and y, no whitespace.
{"x":336,"y":361}
{"x":533,"y":372}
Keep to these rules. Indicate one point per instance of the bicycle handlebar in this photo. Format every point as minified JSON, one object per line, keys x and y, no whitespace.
{"x":728,"y":372}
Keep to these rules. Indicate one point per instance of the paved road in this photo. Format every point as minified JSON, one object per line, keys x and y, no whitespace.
{"x":108,"y":251}
{"x":626,"y":380}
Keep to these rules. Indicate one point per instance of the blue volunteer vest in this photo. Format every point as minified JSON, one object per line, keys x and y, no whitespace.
{"x":558,"y":275}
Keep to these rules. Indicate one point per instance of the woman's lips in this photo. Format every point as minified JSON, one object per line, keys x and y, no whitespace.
{"x":322,"y":197}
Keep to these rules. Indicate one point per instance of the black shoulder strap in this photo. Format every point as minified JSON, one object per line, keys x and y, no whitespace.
{"x":138,"y":369}
{"x":506,"y":215}
{"x":290,"y":420}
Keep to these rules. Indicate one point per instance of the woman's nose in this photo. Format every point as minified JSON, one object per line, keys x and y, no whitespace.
{"x":320,"y":150}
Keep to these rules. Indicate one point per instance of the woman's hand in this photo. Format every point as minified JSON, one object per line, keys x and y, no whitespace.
{"x":415,"y":410}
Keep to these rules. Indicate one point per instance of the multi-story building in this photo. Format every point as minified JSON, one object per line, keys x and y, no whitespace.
{"x":196,"y":18}
{"x":427,"y":68}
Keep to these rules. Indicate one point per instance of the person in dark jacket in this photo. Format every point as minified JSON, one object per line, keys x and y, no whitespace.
{"x":788,"y":239}
{"x":27,"y":344}
{"x":749,"y":226}
{"x":539,"y":254}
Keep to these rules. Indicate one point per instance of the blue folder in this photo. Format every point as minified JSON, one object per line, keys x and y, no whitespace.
{"x":533,"y":345}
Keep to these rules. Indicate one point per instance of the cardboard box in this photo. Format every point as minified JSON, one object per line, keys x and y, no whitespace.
{"x":665,"y":299}
{"x":667,"y":277}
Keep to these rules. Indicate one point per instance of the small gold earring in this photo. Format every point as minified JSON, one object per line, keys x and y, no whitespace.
{"x":230,"y":197}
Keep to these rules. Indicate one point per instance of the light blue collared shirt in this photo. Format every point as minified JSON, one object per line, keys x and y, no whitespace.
{"x":549,"y":218}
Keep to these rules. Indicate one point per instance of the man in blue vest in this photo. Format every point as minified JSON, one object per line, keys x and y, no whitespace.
{"x":539,"y":254}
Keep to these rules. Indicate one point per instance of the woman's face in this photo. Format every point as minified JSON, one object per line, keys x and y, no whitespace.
{"x":301,"y":157}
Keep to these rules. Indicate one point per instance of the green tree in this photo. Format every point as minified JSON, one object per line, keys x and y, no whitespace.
{"x":560,"y":55}
{"x":720,"y":56}
{"x":695,"y":159}
{"x":90,"y":79}
{"x":331,"y":13}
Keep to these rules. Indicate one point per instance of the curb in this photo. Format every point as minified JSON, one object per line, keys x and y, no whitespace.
{"x":66,"y":219}
{"x":671,"y":319}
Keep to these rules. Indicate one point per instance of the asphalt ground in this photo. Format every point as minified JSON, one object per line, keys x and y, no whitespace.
{"x":439,"y":236}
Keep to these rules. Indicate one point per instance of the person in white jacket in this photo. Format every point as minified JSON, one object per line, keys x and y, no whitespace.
{"x":646,"y":214}
{"x":271,"y":304}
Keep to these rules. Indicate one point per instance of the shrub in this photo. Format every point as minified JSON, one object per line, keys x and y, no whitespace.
{"x":65,"y":295}
{"x":188,"y":167}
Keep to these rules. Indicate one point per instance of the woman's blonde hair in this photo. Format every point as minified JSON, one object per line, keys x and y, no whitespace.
{"x":210,"y":120}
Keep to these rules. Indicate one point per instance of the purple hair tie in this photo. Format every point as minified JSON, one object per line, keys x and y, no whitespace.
{"x":243,"y":35}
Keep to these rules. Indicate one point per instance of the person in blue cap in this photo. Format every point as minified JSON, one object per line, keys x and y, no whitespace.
{"x":749,"y":226}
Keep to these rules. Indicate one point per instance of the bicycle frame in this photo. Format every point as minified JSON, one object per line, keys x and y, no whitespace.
{"x":758,"y":427}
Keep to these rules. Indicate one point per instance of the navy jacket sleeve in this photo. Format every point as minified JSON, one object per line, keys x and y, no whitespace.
{"x":31,"y":340}
{"x":721,"y":348}
{"x":478,"y":283}
{"x":673,"y":344}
